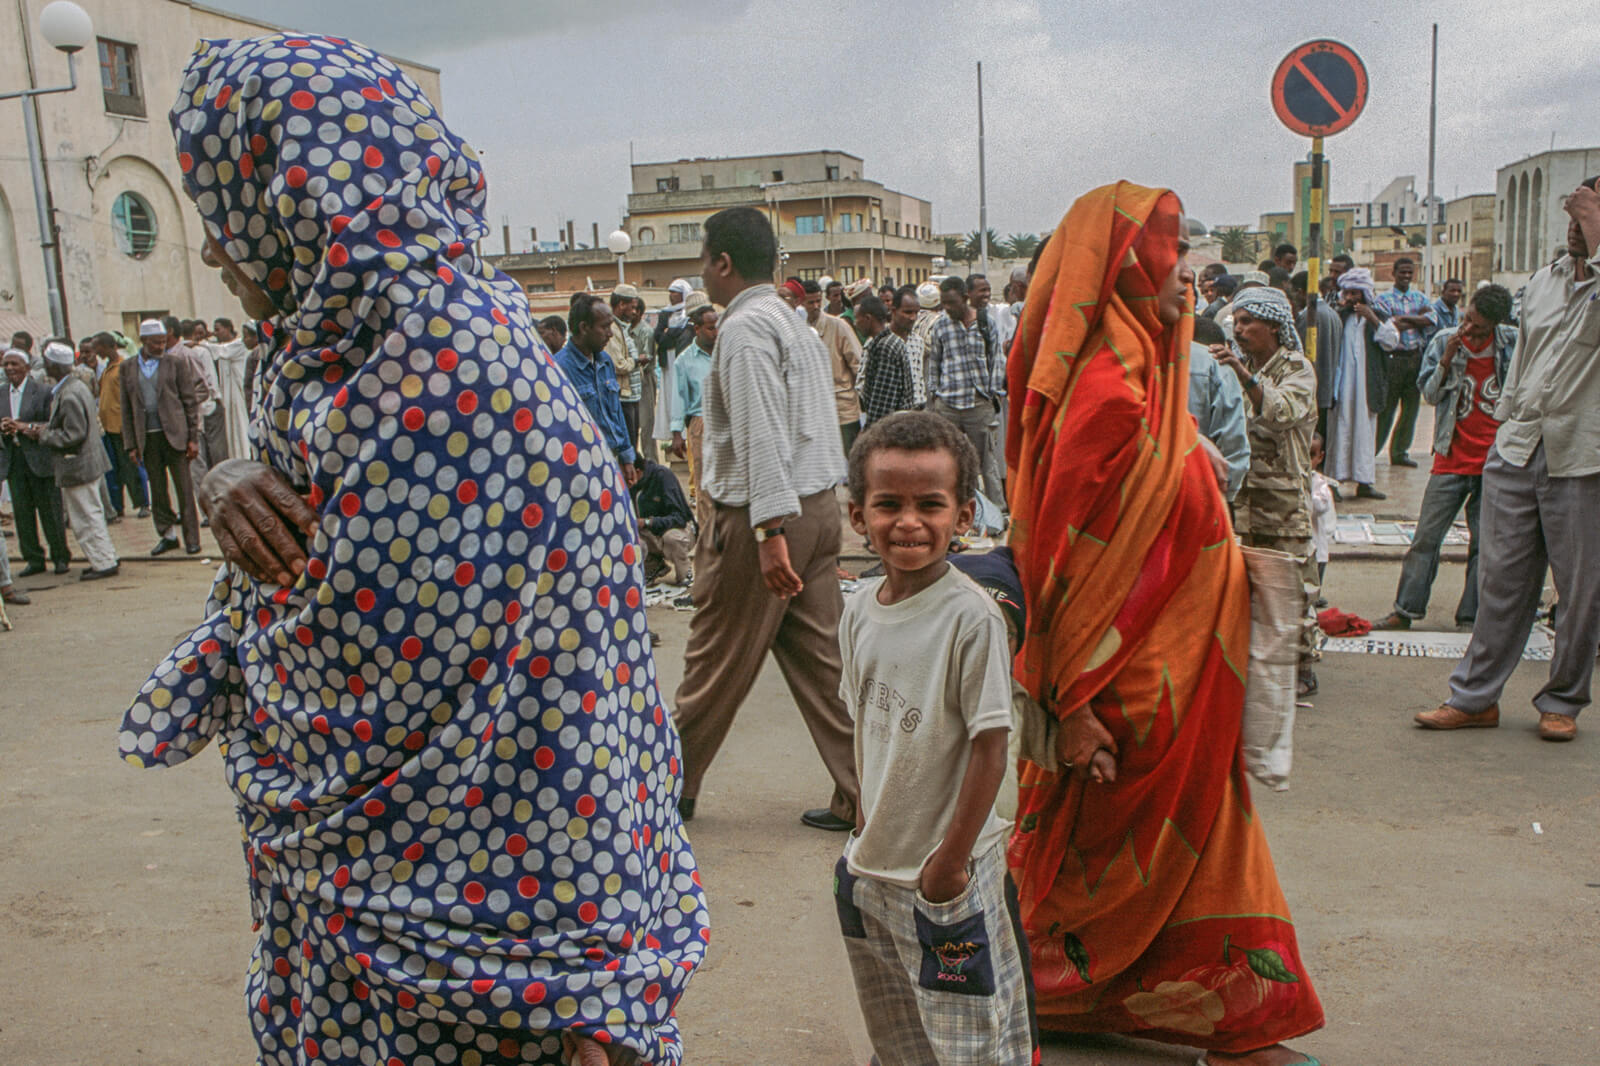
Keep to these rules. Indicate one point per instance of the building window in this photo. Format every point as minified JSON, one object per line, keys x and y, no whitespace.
{"x":119,"y":78}
{"x":666,"y":185}
{"x":647,"y":235}
{"x":777,"y":175}
{"x":833,"y":173}
{"x":897,"y":229}
{"x":859,"y":228}
{"x":708,"y":181}
{"x":133,"y":225}
{"x":808,"y":224}
{"x":845,"y":225}
{"x":683,"y":232}
{"x":810,"y":274}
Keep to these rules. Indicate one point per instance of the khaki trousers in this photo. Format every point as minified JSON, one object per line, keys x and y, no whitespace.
{"x":737,"y":621}
{"x":695,"y":433}
{"x":89,"y":523}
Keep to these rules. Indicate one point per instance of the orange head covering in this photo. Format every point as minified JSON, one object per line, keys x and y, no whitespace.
{"x":1099,"y":438}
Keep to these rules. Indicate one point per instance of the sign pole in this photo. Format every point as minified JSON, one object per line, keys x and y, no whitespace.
{"x":1314,"y":250}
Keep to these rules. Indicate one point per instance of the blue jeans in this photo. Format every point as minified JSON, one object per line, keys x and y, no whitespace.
{"x":1441,"y":502}
{"x":124,"y":474}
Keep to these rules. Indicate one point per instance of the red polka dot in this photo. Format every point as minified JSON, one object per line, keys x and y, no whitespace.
{"x":516,"y":844}
{"x":295,"y":176}
{"x":467,"y":402}
{"x":513,"y":612}
{"x":477,"y":668}
{"x":447,"y":275}
{"x":302,"y":101}
{"x":341,"y":876}
{"x":387,"y":86}
{"x":366,"y":599}
{"x":338,"y":255}
{"x":652,"y":993}
{"x":362,"y":730}
{"x":446,"y":359}
{"x":473,"y":893}
{"x":387,"y":237}
{"x":588,"y":912}
{"x":586,"y":806}
{"x":544,"y":758}
{"x":224,"y":96}
{"x":523,"y":420}
{"x":320,"y":724}
{"x":473,"y":797}
{"x":588,"y":702}
{"x":533,"y":993}
{"x":413,"y":419}
{"x":413,"y":853}
{"x":304,"y":635}
{"x":415,"y":740}
{"x":467,"y":491}
{"x":185,"y":162}
{"x":464,"y":574}
{"x":280,"y":966}
{"x":358,"y":687}
{"x":569,"y":453}
{"x":411,"y":647}
{"x":372,"y":157}
{"x":406,"y":1000}
{"x":498,"y":315}
{"x":603,"y":597}
{"x":317,"y":568}
{"x":335,"y":923}
{"x":624,"y":671}
{"x":372,"y":92}
{"x":338,"y":223}
{"x":532,"y":515}
{"x":258,"y":144}
{"x":539,"y":667}
{"x":557,"y":560}
{"x":455,"y":249}
{"x":312,"y":1047}
{"x":628,"y":554}
{"x":350,"y":505}
{"x":631,"y":598}
{"x":605,"y":500}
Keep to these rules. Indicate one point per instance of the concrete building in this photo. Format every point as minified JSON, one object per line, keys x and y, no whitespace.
{"x":1468,"y":248}
{"x":1530,"y":225}
{"x":130,"y":240}
{"x":828,"y":218}
{"x":1397,"y":205}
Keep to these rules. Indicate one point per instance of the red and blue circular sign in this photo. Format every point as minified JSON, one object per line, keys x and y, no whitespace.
{"x":1319,"y":88}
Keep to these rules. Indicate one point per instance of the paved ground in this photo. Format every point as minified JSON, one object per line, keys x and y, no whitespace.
{"x":1439,"y":925}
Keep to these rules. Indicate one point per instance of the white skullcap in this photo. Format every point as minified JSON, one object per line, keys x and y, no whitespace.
{"x":11,"y":353}
{"x":59,"y":354}
{"x":928,"y":295}
{"x":151,"y":327}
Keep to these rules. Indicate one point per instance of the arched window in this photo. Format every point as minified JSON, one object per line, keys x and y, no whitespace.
{"x":133,"y":225}
{"x":1512,"y":216}
{"x":647,"y":235}
{"x":1536,"y":222}
{"x":1523,"y":220}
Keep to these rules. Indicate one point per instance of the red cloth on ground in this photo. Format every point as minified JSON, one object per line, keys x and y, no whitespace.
{"x":1337,"y":623}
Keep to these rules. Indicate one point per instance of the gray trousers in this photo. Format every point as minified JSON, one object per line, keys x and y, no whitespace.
{"x":1530,"y":520}
{"x":978,"y":423}
{"x":5,"y":561}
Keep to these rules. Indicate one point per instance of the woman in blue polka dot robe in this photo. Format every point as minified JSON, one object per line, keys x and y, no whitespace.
{"x":438,"y":711}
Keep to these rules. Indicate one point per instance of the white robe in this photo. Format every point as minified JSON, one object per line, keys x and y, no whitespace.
{"x":231,"y":358}
{"x":1352,"y":428}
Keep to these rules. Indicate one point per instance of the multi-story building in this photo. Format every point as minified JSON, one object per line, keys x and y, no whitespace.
{"x":828,"y":218}
{"x":130,"y":241}
{"x":1468,"y":249}
{"x":1397,"y":205}
{"x":1530,"y":223}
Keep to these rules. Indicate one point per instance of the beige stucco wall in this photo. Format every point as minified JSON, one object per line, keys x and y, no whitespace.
{"x":92,"y":156}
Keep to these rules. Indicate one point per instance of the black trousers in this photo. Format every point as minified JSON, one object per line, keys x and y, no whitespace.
{"x":36,"y":499}
{"x":630,"y":421}
{"x":161,"y":461}
{"x":1405,"y":397}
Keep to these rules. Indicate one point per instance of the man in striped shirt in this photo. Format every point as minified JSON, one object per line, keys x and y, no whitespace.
{"x":886,"y":377}
{"x":766,"y":559}
{"x":966,"y":377}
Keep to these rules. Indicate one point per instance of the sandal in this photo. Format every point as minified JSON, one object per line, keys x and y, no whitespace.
{"x":1306,"y":685}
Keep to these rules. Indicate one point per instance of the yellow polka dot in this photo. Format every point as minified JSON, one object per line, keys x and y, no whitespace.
{"x":439,"y":816}
{"x":496,"y":694}
{"x":614,"y":1016}
{"x":399,"y":550}
{"x":441,"y":714}
{"x":355,"y":123}
{"x":224,"y":172}
{"x":160,"y":698}
{"x":566,"y":1007}
{"x":325,"y":594}
{"x":518,"y":922}
{"x":456,"y":444}
{"x":613,"y":884}
{"x":479,"y":862}
{"x":565,"y":892}
{"x":394,"y":735}
{"x":501,"y":334}
{"x":428,"y":594}
{"x":411,"y":386}
{"x":480,"y":638}
{"x":357,"y":844}
{"x":401,"y":672}
{"x":427,"y":240}
{"x":495,"y":514}
{"x":505,"y":748}
{"x":377,"y":472}
{"x":522,"y":811}
{"x":539,"y":473}
{"x":302,"y":70}
{"x":352,"y":765}
{"x":272,"y":109}
{"x":466,"y":747}
{"x":285,"y":205}
{"x":577,"y":829}
{"x":645,"y":761}
{"x":280,"y":937}
{"x":339,"y":171}
{"x":500,"y":401}
{"x":580,"y":510}
{"x":569,"y":640}
{"x":515,"y":574}
{"x":396,"y":260}
{"x":545,"y":583}
{"x":602,"y":758}
{"x":438,"y":507}
{"x":439,"y":327}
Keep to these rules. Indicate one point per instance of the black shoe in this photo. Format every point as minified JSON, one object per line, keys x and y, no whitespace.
{"x":192,"y":551}
{"x":1402,"y":460}
{"x":822,"y":818}
{"x":1306,"y":684}
{"x":1367,"y":492}
{"x":31,"y":569}
{"x":165,"y":545}
{"x":12,"y":594}
{"x":686,"y":809}
{"x":96,"y":575}
{"x":63,"y":568}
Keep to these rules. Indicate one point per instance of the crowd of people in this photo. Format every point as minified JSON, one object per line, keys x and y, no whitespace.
{"x":81,"y":441}
{"x":432,"y":677}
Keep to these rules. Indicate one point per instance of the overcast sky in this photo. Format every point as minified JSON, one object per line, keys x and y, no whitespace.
{"x":1075,"y":94}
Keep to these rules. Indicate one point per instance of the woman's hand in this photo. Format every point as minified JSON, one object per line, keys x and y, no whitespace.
{"x":1086,"y":748}
{"x":260,"y":522}
{"x":582,"y":1051}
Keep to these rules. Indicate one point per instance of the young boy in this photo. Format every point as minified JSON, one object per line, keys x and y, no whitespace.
{"x":925,"y":904}
{"x":1324,"y":518}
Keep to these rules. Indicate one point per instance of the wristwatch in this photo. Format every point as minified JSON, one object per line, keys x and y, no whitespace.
{"x":1251,"y":382}
{"x":769,"y":533}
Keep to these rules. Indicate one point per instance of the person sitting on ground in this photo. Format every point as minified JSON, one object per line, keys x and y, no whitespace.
{"x":1273,"y":508}
{"x":1463,"y":372}
{"x":665,"y":523}
{"x":925,"y":905}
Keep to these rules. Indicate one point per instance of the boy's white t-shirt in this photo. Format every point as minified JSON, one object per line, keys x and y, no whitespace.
{"x":922,"y":677}
{"x":1323,"y":518}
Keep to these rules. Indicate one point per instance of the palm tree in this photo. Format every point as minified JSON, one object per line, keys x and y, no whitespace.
{"x":955,"y":248}
{"x":1235,"y":245}
{"x":1022,"y":245}
{"x":974,"y":249}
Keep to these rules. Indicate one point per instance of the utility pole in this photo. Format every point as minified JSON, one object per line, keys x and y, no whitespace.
{"x":1433,"y":126}
{"x":983,"y":200}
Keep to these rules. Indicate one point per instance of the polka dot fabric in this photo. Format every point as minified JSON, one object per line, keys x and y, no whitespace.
{"x":457,"y":783}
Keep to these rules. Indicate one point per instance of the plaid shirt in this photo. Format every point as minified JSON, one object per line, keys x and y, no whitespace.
{"x":959,"y":364}
{"x":1410,"y":302}
{"x":886,"y":383}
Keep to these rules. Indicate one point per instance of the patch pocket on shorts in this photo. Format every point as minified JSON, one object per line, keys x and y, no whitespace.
{"x":956,"y":957}
{"x":844,"y":899}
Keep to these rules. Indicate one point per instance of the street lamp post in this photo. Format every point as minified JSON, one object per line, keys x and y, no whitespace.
{"x":68,"y":29}
{"x":619,"y":242}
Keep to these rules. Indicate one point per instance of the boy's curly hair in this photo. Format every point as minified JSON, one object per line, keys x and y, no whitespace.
{"x":915,"y":431}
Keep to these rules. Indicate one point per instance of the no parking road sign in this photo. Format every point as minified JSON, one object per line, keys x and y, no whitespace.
{"x":1319,"y":88}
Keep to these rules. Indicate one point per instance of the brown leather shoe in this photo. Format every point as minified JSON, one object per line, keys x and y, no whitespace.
{"x":1445,"y":716}
{"x":1557,"y":726}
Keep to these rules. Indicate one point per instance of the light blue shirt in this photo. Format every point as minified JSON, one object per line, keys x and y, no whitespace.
{"x":1216,"y":399}
{"x":1443,"y":317}
{"x":690,"y":370}
{"x":596,"y":382}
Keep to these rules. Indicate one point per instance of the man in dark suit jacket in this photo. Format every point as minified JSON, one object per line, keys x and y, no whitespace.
{"x":161,"y":426}
{"x":29,"y":468}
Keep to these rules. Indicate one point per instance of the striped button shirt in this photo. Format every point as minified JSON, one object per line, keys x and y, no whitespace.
{"x":771,"y":428}
{"x":959,"y":365}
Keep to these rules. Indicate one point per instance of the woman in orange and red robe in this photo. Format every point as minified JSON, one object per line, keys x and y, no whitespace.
{"x":1147,"y":891}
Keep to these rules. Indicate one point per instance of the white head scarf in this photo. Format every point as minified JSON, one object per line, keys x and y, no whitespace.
{"x":680,"y":290}
{"x":1359,"y":278}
